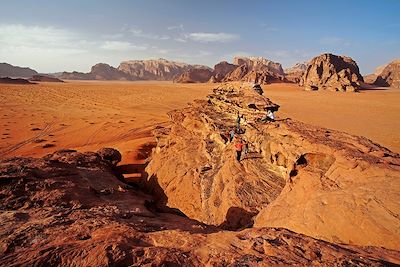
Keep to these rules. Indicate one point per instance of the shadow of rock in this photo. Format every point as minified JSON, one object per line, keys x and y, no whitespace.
{"x":238,"y":219}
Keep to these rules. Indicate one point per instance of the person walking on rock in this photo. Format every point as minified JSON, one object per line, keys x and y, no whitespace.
{"x":231,"y":135}
{"x":238,"y":119}
{"x":239,"y":148}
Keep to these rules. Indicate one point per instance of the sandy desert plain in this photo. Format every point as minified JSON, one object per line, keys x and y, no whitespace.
{"x":38,"y":119}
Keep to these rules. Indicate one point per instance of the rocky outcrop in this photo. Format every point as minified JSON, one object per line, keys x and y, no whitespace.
{"x":8,"y":80}
{"x":331,"y":72}
{"x":102,"y":71}
{"x":316,"y":181}
{"x":159,"y":69}
{"x":259,"y":63}
{"x":295,"y":73}
{"x":75,"y":76}
{"x":70,"y":209}
{"x":44,"y":78}
{"x":249,"y":69}
{"x":7,"y":70}
{"x":194,"y":76}
{"x":221,"y":70}
{"x":133,"y":70}
{"x":390,"y":75}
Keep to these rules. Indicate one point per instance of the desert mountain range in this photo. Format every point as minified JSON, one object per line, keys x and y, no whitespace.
{"x":340,"y":73}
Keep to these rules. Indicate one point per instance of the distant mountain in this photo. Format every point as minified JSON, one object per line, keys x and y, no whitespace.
{"x":7,"y":70}
{"x":295,"y":73}
{"x":132,"y":70}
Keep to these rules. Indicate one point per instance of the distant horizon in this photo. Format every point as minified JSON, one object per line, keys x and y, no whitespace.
{"x":55,"y":36}
{"x":177,"y":61}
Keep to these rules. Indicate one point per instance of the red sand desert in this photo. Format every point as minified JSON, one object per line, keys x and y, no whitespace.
{"x":41,"y":118}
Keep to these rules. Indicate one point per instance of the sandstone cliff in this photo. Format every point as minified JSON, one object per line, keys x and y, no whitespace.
{"x":197,"y":75}
{"x":70,"y":209}
{"x":132,"y":70}
{"x":316,"y":181}
{"x":160,"y":69}
{"x":221,"y":70}
{"x":295,"y":73}
{"x":7,"y":70}
{"x":331,"y":72}
{"x":390,"y":75}
{"x":259,"y":63}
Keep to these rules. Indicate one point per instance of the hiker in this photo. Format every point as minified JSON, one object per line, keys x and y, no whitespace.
{"x":269,"y":116}
{"x":246,"y":147}
{"x":239,"y":147}
{"x":231,"y":135}
{"x":238,"y":119}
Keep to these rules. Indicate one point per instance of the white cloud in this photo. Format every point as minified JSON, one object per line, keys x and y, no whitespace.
{"x":15,"y":37}
{"x":212,"y":37}
{"x":139,"y":33}
{"x":121,"y":46}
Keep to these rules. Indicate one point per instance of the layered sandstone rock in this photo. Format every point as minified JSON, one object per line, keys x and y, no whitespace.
{"x":197,"y":75}
{"x":132,"y":70}
{"x":69,"y":209}
{"x":259,"y":63}
{"x":331,"y":72}
{"x":7,"y":70}
{"x":160,"y":69}
{"x":316,"y":181}
{"x":295,"y":73}
{"x":256,"y":70}
{"x":102,"y":71}
{"x":390,"y":75}
{"x":221,"y":70}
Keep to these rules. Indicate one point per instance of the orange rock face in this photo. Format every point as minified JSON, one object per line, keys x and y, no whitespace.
{"x":331,"y":72}
{"x":70,"y":209}
{"x":194,"y":76}
{"x":390,"y":75}
{"x":308,"y":179}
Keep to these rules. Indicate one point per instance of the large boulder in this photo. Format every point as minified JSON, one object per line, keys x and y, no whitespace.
{"x":390,"y":75}
{"x":332,"y":72}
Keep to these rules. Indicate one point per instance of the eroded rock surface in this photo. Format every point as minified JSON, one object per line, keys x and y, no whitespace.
{"x":332,"y":72}
{"x":390,"y":75}
{"x":320,"y":182}
{"x":197,"y":75}
{"x":45,"y":78}
{"x":295,"y":73}
{"x":69,"y":209}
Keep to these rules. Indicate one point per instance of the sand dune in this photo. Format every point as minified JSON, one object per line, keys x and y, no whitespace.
{"x":41,"y":118}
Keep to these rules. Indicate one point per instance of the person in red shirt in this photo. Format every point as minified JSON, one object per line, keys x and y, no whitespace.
{"x":239,"y":148}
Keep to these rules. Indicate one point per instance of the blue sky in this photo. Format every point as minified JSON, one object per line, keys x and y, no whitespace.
{"x":55,"y":35}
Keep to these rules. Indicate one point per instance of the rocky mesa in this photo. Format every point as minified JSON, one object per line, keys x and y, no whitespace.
{"x":332,"y":72}
{"x":316,"y":181}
